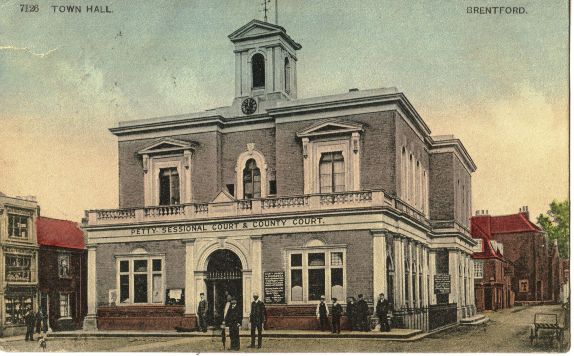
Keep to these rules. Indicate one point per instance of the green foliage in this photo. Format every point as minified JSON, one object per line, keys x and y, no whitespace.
{"x":557,"y":225}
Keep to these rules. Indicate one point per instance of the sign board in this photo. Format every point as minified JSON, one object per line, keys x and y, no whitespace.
{"x":523,"y":286}
{"x":274,"y":287}
{"x":442,"y":283}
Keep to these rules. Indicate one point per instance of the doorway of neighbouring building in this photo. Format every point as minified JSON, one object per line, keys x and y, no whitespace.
{"x":488,"y":298}
{"x":223,"y":277}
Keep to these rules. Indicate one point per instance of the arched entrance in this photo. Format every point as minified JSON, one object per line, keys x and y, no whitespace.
{"x":223,"y":277}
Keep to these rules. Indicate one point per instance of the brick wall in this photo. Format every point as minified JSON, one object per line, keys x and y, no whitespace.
{"x":233,"y":144}
{"x":441,"y":186}
{"x":406,"y":136}
{"x":359,"y":255}
{"x":174,"y":268}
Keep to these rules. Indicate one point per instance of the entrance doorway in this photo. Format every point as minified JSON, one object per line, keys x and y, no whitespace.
{"x":488,"y":298}
{"x":224,"y":277}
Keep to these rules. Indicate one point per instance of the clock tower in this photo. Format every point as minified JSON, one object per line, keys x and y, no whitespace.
{"x":265,"y":65}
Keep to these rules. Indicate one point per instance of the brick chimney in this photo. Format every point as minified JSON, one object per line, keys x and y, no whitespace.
{"x":524,"y":210}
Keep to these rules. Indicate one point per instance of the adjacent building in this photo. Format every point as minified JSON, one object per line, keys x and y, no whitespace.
{"x":535,"y":260}
{"x":62,"y":275}
{"x":19,"y":257}
{"x":290,"y":198}
{"x":493,"y":273}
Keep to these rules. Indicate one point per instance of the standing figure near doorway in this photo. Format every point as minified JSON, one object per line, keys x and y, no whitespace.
{"x":322,"y":313}
{"x":233,"y":319}
{"x":257,"y":319}
{"x":202,"y":313}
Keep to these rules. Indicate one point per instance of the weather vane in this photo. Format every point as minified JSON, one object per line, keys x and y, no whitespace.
{"x":266,"y":9}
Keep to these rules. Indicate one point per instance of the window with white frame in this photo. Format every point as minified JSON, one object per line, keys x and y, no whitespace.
{"x":332,"y":153}
{"x":316,"y":272}
{"x":169,"y":186}
{"x":478,"y":268}
{"x":64,"y":265}
{"x":18,"y":225}
{"x":141,"y":279}
{"x":332,"y":172}
{"x":65,"y":310}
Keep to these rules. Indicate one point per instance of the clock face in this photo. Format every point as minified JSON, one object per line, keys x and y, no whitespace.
{"x":249,"y":106}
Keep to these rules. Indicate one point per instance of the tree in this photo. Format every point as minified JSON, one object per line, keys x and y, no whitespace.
{"x":557,"y":225}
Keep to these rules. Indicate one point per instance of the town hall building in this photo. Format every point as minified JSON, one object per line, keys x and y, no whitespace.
{"x":289,"y":198}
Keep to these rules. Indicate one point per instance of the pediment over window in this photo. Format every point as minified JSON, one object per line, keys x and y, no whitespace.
{"x":330,"y":128}
{"x":167,"y":145}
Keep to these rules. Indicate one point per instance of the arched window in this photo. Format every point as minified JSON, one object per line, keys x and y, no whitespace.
{"x":287,"y":75}
{"x":251,"y":180}
{"x":258,"y":70}
{"x":332,"y":172}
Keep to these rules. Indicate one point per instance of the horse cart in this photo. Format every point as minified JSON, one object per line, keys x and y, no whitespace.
{"x":546,"y":326}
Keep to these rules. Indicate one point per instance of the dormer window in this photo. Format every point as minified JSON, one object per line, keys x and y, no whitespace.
{"x":258,"y":70}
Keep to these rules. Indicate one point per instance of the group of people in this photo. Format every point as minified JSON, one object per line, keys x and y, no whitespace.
{"x":357,"y":314}
{"x":38,"y":321}
{"x":232,"y":318}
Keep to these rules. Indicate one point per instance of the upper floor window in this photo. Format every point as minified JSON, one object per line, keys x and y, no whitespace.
{"x":18,"y":268}
{"x":478,"y":269}
{"x":251,"y":180}
{"x":168,"y":186}
{"x":287,"y":75}
{"x":64,"y":265}
{"x":167,"y":165}
{"x":258,"y":70}
{"x":17,"y":225}
{"x":332,"y":172}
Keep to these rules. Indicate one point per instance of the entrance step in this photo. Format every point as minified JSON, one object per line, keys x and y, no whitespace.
{"x":474,"y":320}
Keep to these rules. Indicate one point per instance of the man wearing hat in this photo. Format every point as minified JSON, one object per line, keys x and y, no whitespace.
{"x":322,"y":313}
{"x":337,"y":312}
{"x":257,"y":319}
{"x":382,"y":311}
{"x":233,"y":319}
{"x":202,"y":313}
{"x":363,"y":314}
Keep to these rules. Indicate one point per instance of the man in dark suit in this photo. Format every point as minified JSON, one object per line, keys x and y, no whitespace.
{"x":30,"y":319}
{"x":322,"y":313}
{"x":351,"y":313}
{"x":257,"y":319}
{"x":382,"y":311}
{"x":233,"y":319}
{"x":363,"y":314}
{"x":202,"y":313}
{"x":336,"y":312}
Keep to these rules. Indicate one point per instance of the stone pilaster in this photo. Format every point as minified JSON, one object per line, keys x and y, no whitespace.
{"x":90,"y":321}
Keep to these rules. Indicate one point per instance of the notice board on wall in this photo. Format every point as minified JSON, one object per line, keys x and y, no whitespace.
{"x":274,"y":287}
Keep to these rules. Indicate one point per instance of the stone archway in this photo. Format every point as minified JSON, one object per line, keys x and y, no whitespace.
{"x":223,"y":277}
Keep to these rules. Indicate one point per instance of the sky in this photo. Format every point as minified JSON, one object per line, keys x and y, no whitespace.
{"x":497,"y":82}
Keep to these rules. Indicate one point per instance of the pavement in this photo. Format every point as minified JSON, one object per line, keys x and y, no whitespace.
{"x":507,"y":331}
{"x":395,"y":334}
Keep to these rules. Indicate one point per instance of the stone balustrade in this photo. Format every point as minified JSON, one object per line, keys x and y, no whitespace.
{"x":253,"y":207}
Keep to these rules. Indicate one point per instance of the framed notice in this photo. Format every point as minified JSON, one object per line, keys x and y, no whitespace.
{"x":523,"y":286}
{"x":274,"y":287}
{"x":442,"y":283}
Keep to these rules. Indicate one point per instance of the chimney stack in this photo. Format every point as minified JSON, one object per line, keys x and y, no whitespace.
{"x":524,"y":210}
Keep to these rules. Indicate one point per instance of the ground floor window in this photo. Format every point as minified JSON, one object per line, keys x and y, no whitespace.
{"x":15,"y":309}
{"x":141,"y":280}
{"x":65,"y":310}
{"x":314,"y":273}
